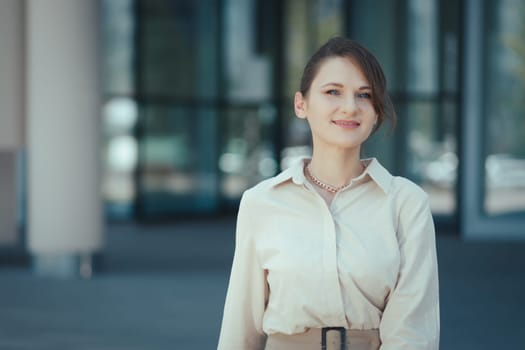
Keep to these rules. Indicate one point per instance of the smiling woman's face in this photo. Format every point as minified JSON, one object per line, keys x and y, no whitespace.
{"x":338,"y":106}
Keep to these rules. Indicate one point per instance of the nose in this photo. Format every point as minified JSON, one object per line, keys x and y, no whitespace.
{"x":349,"y":105}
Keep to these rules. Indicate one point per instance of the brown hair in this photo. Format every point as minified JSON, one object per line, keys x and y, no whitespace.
{"x":370,"y":67}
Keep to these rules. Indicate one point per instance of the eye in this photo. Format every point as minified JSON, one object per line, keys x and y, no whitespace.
{"x":333,"y":92}
{"x":366,"y":95}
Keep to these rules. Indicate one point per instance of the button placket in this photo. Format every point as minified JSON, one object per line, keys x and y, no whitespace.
{"x":332,"y":290}
{"x":334,"y":298}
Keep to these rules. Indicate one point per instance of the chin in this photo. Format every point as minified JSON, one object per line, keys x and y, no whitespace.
{"x":345,"y":142}
{"x":350,"y":143}
{"x":346,"y":146}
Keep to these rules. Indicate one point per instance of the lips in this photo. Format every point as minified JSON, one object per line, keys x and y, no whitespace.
{"x":347,"y":124}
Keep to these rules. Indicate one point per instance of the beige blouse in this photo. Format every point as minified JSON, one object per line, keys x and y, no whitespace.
{"x":367,"y":261}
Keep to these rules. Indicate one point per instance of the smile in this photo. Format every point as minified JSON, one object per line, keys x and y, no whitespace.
{"x":347,"y":124}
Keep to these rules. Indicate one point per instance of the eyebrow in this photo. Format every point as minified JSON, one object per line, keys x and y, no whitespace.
{"x":364,"y":87}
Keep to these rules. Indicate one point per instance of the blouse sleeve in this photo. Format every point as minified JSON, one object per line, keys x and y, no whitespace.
{"x":410,"y":320}
{"x":247,"y":292}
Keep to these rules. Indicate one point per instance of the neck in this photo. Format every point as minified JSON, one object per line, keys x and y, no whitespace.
{"x":337,"y":167}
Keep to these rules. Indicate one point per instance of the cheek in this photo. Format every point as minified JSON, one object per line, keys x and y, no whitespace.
{"x":366,"y":106}
{"x":322,"y":107}
{"x":330,"y":106}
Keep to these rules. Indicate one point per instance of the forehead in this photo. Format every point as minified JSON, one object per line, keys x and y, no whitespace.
{"x":342,"y":70}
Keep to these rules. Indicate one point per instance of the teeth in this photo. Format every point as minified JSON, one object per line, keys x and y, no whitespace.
{"x":347,"y":122}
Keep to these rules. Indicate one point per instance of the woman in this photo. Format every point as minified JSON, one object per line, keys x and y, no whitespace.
{"x":335,"y":252}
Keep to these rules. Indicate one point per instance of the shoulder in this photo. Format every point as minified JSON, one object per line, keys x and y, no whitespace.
{"x":267,"y":187}
{"x":412,"y":204}
{"x":409,"y":198}
{"x":265,"y":197}
{"x":406,"y":189}
{"x":397,"y":187}
{"x":413,"y":212}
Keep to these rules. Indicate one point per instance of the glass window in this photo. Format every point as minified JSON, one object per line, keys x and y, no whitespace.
{"x":248,"y":138}
{"x":200,"y":94}
{"x":120,"y":156}
{"x":418,"y":49}
{"x":248,"y":67}
{"x":178,"y":50}
{"x":118,"y":29}
{"x":382,"y":32}
{"x":177,"y":172}
{"x":432,"y":159}
{"x":119,"y":111}
{"x":247,"y":153}
{"x":307,"y":24}
{"x":504,"y":105}
{"x":177,"y":85}
{"x":431,"y":115}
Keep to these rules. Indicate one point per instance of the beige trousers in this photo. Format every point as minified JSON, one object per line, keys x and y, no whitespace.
{"x":311,"y":340}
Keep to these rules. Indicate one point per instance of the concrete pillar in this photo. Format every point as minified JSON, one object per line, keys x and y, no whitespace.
{"x":11,"y":114}
{"x":63,"y":110}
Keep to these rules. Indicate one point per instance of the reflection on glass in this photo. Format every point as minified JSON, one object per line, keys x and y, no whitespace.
{"x":170,"y":150}
{"x":422,"y":53}
{"x":118,"y":25}
{"x":504,"y":184}
{"x":178,"y":48}
{"x":432,"y":158}
{"x":119,"y":113}
{"x":308,"y":24}
{"x":247,"y":72}
{"x":177,"y":72}
{"x":120,"y":161}
{"x":329,"y":18}
{"x":122,"y":154}
{"x":504,"y":103}
{"x":247,"y":151}
{"x":177,"y":157}
{"x":247,"y":154}
{"x":419,"y":52}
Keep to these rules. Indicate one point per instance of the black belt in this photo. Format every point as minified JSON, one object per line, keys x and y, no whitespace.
{"x":342,"y":333}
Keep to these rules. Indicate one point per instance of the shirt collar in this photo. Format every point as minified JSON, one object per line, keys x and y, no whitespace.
{"x":378,"y":173}
{"x":373,"y":169}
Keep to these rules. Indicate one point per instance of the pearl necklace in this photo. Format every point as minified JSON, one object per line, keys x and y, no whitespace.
{"x":319,"y":183}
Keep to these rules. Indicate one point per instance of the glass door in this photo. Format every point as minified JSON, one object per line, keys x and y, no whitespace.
{"x":417,"y":43}
{"x":248,"y":121}
{"x":493,"y":181}
{"x":307,"y":24}
{"x":177,"y":89}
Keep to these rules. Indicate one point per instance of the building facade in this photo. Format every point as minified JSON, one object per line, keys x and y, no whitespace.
{"x":209,"y":86}
{"x":194,"y":105}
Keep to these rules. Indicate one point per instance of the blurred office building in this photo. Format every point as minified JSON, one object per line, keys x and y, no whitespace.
{"x":142,"y":110}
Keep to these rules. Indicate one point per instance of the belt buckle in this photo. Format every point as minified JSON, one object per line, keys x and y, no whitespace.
{"x":341,"y":330}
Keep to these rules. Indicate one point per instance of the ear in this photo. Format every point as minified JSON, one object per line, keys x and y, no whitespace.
{"x":299,"y":104}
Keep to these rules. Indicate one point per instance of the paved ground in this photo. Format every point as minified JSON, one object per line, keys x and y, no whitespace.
{"x":163,"y":288}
